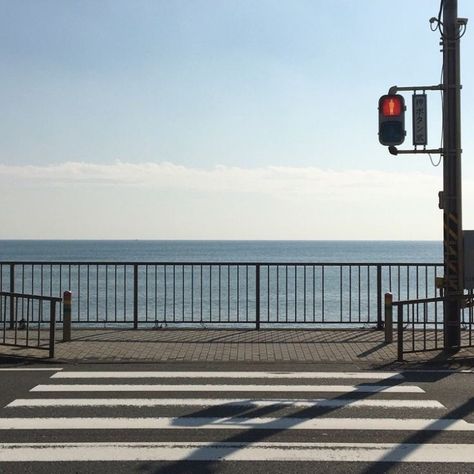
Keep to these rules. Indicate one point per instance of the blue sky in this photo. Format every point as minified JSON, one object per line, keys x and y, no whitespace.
{"x":107,"y":99}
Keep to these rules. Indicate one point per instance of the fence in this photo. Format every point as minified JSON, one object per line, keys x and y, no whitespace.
{"x":420,"y":325}
{"x":226,"y":293}
{"x":24,"y":318}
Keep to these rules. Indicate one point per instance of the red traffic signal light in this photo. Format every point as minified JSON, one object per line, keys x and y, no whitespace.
{"x":392,"y":105}
{"x":392,"y":119}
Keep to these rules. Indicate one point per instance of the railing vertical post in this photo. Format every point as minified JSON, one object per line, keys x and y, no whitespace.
{"x":135,"y":296}
{"x":52,"y":327}
{"x":388,"y":318}
{"x":379,"y":297}
{"x":67,"y":316}
{"x":12,"y":290}
{"x":400,"y":333}
{"x":257,"y":296}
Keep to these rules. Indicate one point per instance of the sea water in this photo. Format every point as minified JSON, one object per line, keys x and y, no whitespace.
{"x":221,"y":251}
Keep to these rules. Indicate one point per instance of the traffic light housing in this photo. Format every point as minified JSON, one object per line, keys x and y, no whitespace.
{"x":392,"y":119}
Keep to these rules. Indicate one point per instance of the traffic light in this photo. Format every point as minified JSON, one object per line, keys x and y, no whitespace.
{"x":392,"y":119}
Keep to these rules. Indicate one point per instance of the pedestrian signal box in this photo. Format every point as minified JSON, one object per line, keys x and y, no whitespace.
{"x":392,"y":119}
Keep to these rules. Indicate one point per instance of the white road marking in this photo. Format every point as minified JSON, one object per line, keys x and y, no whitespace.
{"x":226,"y":388}
{"x":233,"y":375}
{"x":155,"y":402}
{"x":236,"y":423}
{"x":238,"y":451}
{"x":30,"y":369}
{"x":439,"y":371}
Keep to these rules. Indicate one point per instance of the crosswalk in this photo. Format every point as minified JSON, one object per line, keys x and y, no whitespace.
{"x":211,"y":416}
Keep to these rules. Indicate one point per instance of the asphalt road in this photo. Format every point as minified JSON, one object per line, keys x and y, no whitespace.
{"x":185,"y":418}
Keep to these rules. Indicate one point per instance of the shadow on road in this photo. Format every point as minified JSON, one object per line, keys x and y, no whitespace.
{"x":259,"y":435}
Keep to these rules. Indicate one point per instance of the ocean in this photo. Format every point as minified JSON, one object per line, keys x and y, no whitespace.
{"x":315,"y":251}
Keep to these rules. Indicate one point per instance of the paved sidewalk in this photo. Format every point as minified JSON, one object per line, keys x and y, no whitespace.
{"x":354,"y":348}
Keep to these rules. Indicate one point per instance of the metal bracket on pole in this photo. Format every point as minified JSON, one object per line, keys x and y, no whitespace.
{"x":393,"y":150}
{"x":395,"y":89}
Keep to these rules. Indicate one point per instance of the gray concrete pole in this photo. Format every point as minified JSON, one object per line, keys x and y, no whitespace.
{"x":452,"y":196}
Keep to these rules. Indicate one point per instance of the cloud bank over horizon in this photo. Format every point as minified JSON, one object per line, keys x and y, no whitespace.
{"x":165,"y":200}
{"x":220,"y":178}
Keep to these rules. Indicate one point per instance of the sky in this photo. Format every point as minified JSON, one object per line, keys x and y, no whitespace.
{"x":212,"y":119}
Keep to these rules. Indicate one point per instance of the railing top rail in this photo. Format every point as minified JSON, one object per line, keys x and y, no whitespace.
{"x":53,"y":299}
{"x":418,"y":301}
{"x":225,"y":263}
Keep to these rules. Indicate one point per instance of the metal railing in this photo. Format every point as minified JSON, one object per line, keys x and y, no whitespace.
{"x":247,"y":294}
{"x":423,"y":320}
{"x":420,"y":325}
{"x":28,"y":321}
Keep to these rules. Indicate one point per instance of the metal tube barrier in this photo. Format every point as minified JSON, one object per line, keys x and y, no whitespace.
{"x":400,"y":333}
{"x":210,"y":293}
{"x":67,"y":316}
{"x":422,"y":320}
{"x":28,"y":321}
{"x":388,"y":318}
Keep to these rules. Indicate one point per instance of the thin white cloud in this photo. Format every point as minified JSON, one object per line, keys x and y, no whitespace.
{"x":165,"y":200}
{"x":285,"y":182}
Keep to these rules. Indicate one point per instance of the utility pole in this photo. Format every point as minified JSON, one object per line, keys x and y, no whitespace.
{"x":452,"y":197}
{"x":392,"y":132}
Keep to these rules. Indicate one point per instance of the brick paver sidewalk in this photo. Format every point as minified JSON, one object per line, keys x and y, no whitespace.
{"x":359,"y":347}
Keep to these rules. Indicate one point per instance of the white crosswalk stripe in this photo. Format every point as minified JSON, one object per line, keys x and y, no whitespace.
{"x":30,"y":369}
{"x":234,"y":423}
{"x":381,"y":403}
{"x":184,"y":451}
{"x":225,"y":388}
{"x":229,"y":375}
{"x":212,"y":402}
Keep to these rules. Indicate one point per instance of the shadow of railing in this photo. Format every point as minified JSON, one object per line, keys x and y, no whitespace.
{"x":412,"y":443}
{"x":265,"y":431}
